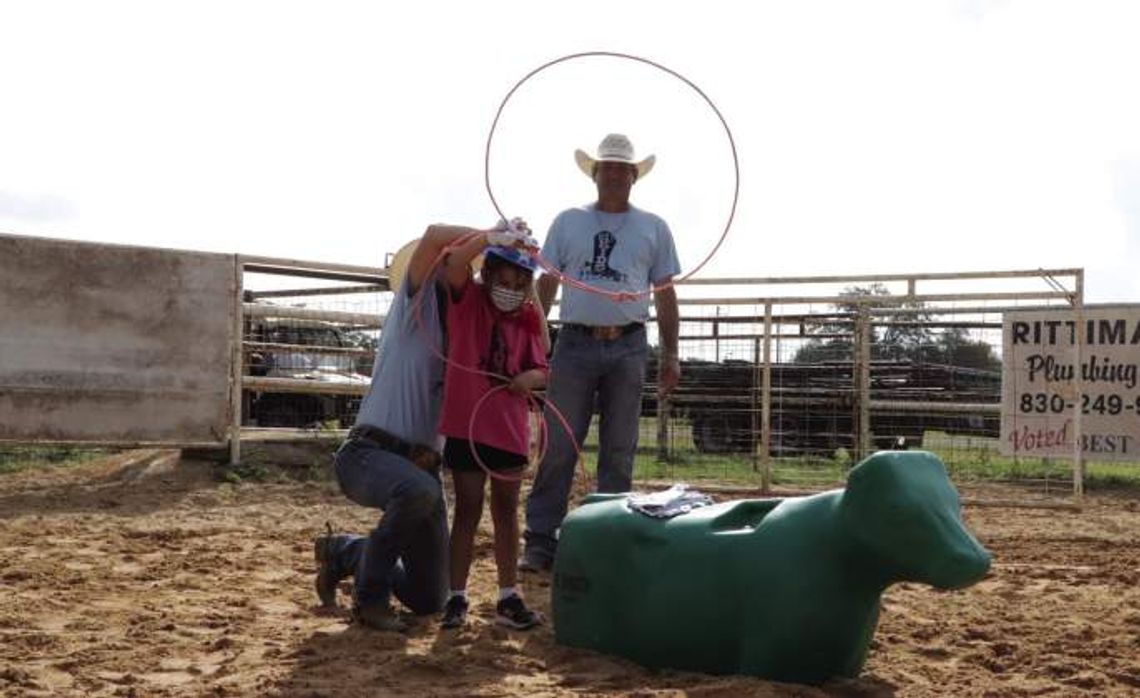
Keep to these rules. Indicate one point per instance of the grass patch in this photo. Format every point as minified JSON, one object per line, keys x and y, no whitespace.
{"x":967,"y":458}
{"x":689,"y":465}
{"x":16,"y":458}
{"x":263,"y":467}
{"x":977,"y":458}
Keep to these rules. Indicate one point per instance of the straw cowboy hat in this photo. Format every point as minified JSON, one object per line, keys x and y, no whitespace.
{"x":613,"y":148}
{"x":399,"y":264}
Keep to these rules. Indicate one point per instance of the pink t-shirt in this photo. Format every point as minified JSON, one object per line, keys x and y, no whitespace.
{"x":480,"y":336}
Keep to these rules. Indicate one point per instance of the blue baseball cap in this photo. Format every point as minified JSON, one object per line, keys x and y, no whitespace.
{"x":515,"y":256}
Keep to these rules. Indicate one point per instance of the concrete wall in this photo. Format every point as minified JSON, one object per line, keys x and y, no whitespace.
{"x":114,"y":343}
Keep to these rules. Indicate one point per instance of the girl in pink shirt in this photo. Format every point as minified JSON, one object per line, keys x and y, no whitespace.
{"x":493,"y":325}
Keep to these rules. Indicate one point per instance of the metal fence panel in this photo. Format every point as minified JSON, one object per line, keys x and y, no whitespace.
{"x":791,"y":390}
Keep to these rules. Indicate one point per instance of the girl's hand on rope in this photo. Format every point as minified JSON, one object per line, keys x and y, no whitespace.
{"x":512,"y":233}
{"x":518,"y":387}
{"x":525,"y":382}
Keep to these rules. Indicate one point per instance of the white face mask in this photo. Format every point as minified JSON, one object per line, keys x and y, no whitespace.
{"x":505,"y":299}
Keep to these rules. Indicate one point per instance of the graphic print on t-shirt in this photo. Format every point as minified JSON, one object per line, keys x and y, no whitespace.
{"x":494,"y":360}
{"x":599,"y":266}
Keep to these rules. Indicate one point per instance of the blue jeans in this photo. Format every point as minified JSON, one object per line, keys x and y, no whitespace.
{"x":584,"y":369}
{"x":406,"y":553}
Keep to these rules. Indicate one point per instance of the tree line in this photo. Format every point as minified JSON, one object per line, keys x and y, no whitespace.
{"x":902,"y":337}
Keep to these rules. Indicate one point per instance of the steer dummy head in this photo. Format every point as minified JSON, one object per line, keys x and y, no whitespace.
{"x":904,"y":515}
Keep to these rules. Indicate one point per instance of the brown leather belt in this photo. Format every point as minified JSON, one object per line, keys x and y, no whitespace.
{"x":424,"y":457}
{"x":607,"y":333}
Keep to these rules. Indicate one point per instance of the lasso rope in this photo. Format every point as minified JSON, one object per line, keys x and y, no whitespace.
{"x":417,"y":314}
{"x":549,"y":268}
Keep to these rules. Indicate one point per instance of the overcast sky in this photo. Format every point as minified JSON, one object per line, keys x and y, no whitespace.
{"x":873,"y":137}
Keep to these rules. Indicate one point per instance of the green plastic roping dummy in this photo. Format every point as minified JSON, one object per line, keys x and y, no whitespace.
{"x":784,"y":589}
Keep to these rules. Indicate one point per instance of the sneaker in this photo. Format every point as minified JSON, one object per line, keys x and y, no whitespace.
{"x":379,"y":617}
{"x":329,"y":573}
{"x":535,"y":561}
{"x":513,"y":613}
{"x":454,"y":612}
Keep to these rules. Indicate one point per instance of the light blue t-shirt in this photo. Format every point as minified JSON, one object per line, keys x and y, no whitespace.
{"x":407,"y":380}
{"x":612,"y":251}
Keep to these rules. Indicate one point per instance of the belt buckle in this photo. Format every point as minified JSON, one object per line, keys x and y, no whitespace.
{"x":607,"y":333}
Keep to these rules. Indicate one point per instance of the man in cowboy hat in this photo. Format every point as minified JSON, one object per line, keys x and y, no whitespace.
{"x":391,"y":458}
{"x":601,"y":352}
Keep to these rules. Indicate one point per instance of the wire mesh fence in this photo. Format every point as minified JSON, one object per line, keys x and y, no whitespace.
{"x":308,"y":347}
{"x":785,"y":391}
{"x":790,"y":391}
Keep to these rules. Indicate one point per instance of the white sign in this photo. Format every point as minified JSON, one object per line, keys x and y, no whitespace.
{"x":1046,"y":381}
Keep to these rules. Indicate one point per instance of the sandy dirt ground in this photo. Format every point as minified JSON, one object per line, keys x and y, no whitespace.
{"x":141,"y":575}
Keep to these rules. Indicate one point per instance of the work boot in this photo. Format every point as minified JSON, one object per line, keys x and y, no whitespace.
{"x":535,"y":560}
{"x":329,"y":572}
{"x":379,"y":617}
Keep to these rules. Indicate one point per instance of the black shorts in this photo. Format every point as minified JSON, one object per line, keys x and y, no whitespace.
{"x":457,"y":456}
